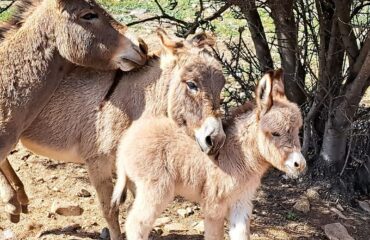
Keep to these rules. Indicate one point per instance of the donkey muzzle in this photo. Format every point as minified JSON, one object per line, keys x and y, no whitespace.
{"x":210,"y":136}
{"x":295,"y":164}
{"x":133,"y":54}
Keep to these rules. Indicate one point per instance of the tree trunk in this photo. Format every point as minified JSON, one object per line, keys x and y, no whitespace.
{"x":249,"y":10}
{"x":331,"y":57}
{"x":286,"y":30}
{"x":337,"y":127}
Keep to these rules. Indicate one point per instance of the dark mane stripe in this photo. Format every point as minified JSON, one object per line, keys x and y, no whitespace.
{"x":21,"y":10}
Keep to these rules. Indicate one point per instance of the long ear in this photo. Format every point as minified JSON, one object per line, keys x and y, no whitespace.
{"x":169,"y":45}
{"x":278,"y":84}
{"x":202,"y":40}
{"x":264,"y":93}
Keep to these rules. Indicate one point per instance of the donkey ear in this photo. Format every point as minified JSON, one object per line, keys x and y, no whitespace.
{"x":61,"y":3}
{"x":278,"y":84}
{"x":168,"y":44}
{"x":264,"y":93}
{"x":202,"y":40}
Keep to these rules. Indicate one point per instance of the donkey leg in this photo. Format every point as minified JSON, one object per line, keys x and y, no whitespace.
{"x":17,"y":185}
{"x":213,"y":228}
{"x":100,"y":172}
{"x":9,"y":137}
{"x":240,"y":215}
{"x":9,"y":197}
{"x":150,"y":201}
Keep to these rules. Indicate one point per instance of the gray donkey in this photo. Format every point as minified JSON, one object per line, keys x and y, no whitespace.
{"x":41,"y":43}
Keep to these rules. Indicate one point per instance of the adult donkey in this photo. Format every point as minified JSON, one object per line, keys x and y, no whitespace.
{"x":41,"y":43}
{"x":183,"y":83}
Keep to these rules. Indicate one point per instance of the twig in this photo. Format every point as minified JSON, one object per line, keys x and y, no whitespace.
{"x":7,"y":7}
{"x":347,"y":157}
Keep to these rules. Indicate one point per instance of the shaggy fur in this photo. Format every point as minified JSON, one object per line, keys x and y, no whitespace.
{"x":73,"y":128}
{"x":162,"y":162}
{"x":42,"y":42}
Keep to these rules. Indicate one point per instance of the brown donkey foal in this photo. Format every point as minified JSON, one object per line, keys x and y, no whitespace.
{"x":162,"y":162}
{"x":41,"y":43}
{"x":183,"y":83}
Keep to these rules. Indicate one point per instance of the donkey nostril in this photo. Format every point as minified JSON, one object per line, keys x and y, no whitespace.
{"x":209,"y":141}
{"x":296,"y":164}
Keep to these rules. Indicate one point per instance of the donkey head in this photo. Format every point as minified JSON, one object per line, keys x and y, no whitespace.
{"x":196,"y":81}
{"x":279,"y":121}
{"x":87,"y":35}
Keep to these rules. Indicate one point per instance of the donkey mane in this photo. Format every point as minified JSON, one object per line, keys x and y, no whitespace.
{"x":237,"y":112}
{"x":21,"y":10}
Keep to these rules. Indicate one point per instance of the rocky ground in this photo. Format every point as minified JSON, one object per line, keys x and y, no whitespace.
{"x":284,"y":209}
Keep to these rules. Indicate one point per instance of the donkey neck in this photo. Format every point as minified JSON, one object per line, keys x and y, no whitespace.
{"x":31,"y":65}
{"x":240,"y":155}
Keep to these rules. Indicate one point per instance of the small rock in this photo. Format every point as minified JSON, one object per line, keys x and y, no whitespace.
{"x":162,"y":221}
{"x":336,"y":231}
{"x":189,"y":211}
{"x":196,"y":207}
{"x":84,"y":193}
{"x":175,"y":227}
{"x":336,"y":211}
{"x":302,"y":205}
{"x":183,"y":213}
{"x":53,"y":177}
{"x":55,"y":189}
{"x":72,"y":228}
{"x":364,"y":206}
{"x":104,"y":234}
{"x":7,"y":234}
{"x":340,"y":207}
{"x":199,"y":227}
{"x":312,"y":194}
{"x":66,"y":209}
{"x":158,"y":230}
{"x":40,"y":180}
{"x":138,"y":12}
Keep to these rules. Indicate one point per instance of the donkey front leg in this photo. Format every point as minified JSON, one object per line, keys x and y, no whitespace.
{"x":149,"y":203}
{"x":214,"y":219}
{"x":214,"y":228}
{"x":240,"y":215}
{"x":17,"y":185}
{"x":100,"y":172}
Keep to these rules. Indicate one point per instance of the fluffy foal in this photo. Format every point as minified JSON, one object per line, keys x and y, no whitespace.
{"x":161,"y":161}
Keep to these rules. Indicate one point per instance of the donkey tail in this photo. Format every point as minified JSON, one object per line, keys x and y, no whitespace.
{"x":120,"y":189}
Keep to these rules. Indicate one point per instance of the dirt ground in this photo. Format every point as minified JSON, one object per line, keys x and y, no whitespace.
{"x":273,"y":216}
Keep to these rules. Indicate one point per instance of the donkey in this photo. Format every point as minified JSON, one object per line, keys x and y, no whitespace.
{"x":183,"y":83}
{"x":161,"y":161}
{"x":41,"y":43}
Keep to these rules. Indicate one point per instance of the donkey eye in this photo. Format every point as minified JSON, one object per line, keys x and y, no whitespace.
{"x":275,"y":134}
{"x":90,"y":16}
{"x":192,"y":86}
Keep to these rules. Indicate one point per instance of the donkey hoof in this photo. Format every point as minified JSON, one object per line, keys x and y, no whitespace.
{"x":14,"y":218}
{"x":24,"y":209}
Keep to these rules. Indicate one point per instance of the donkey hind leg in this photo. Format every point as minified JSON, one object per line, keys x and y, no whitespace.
{"x":240,"y":215}
{"x":148,"y":205}
{"x":9,"y":197}
{"x":100,"y":172}
{"x":8,"y":139}
{"x":17,"y":185}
